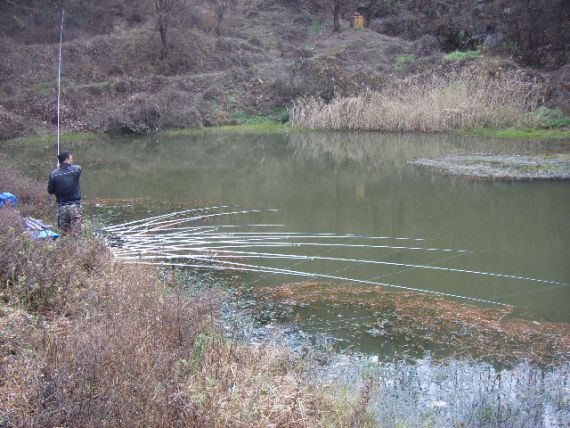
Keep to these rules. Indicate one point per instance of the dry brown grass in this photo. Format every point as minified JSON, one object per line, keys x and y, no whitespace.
{"x":435,"y":104}
{"x":85,"y":341}
{"x":33,"y":199}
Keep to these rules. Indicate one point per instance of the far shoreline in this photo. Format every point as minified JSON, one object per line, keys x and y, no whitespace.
{"x":47,"y":136}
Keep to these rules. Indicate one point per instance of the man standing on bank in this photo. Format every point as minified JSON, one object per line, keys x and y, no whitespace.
{"x":64,"y":183}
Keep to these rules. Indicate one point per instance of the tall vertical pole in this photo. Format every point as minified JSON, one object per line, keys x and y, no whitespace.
{"x":59,"y":79}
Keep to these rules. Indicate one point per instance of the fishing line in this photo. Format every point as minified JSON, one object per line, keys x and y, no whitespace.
{"x":318,"y":244}
{"x":327,"y":251}
{"x":195,"y":218}
{"x":152,"y":220}
{"x":292,"y":235}
{"x":557,"y":286}
{"x":142,"y":242}
{"x":438,"y":260}
{"x":257,"y":243}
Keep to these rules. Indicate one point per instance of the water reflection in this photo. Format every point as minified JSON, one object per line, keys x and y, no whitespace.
{"x":457,"y":393}
{"x":356,"y":183}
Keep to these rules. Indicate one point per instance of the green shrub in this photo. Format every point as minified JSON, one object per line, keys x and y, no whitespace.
{"x":461,"y":55}
{"x":279,"y":114}
{"x":275,"y":115}
{"x":552,"y":118}
{"x":315,"y":26}
{"x":403,"y":60}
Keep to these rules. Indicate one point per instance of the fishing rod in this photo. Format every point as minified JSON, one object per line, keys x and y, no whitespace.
{"x":256,"y":268}
{"x":323,"y":244}
{"x":124,"y":227}
{"x":59,"y":78}
{"x":224,"y":254}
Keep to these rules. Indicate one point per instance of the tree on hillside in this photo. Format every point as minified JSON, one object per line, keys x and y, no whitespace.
{"x":165,"y":11}
{"x":338,"y":7}
{"x":220,"y":8}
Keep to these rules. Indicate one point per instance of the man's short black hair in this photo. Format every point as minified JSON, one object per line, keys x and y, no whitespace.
{"x":63,"y":156}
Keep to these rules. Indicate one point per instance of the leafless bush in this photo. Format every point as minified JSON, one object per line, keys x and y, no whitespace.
{"x":220,"y":9}
{"x":116,"y":345}
{"x":44,"y":277}
{"x":436,"y":104}
{"x":33,"y":199}
{"x":10,"y":124}
{"x":150,"y":113}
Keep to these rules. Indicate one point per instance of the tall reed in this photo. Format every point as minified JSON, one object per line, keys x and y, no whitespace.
{"x":433,"y":104}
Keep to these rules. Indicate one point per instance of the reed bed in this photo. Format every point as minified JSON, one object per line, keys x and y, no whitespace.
{"x":434,"y":104}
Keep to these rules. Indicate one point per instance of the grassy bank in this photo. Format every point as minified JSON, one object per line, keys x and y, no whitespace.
{"x":539,"y":132}
{"x":87,"y":341}
{"x":520,"y":133}
{"x":263,"y":127}
{"x":50,"y":138}
{"x":260,"y":128}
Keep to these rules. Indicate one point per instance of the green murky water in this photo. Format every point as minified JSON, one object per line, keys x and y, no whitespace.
{"x":361,"y":184}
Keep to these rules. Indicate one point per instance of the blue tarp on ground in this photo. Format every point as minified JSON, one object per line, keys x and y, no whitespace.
{"x":43,"y":234}
{"x":38,"y":230}
{"x":7,"y":199}
{"x":35,"y":228}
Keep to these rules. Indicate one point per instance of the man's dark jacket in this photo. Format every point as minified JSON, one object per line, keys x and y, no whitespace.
{"x":64,"y":183}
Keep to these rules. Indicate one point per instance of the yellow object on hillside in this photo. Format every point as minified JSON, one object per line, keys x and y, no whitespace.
{"x":357,"y":21}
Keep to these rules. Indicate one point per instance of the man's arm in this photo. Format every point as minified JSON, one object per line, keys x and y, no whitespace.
{"x":51,"y":187}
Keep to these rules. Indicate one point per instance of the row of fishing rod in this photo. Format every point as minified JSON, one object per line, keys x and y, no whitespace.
{"x":188,"y":239}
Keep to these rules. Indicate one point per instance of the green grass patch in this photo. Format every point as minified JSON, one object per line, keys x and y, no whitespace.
{"x":461,"y":55}
{"x":315,"y":26}
{"x":552,"y":118}
{"x":261,"y":128}
{"x":45,"y":87}
{"x":72,"y":137}
{"x":520,"y":133}
{"x":275,"y":115}
{"x":403,"y":60}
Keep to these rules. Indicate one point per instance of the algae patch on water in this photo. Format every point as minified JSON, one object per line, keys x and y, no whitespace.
{"x":501,"y":167}
{"x":497,"y":335}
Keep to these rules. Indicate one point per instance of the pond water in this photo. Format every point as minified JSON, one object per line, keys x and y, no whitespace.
{"x":358,"y":183}
{"x":362,"y":183}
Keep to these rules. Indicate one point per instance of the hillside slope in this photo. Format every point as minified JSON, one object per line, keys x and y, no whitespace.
{"x":268,"y":53}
